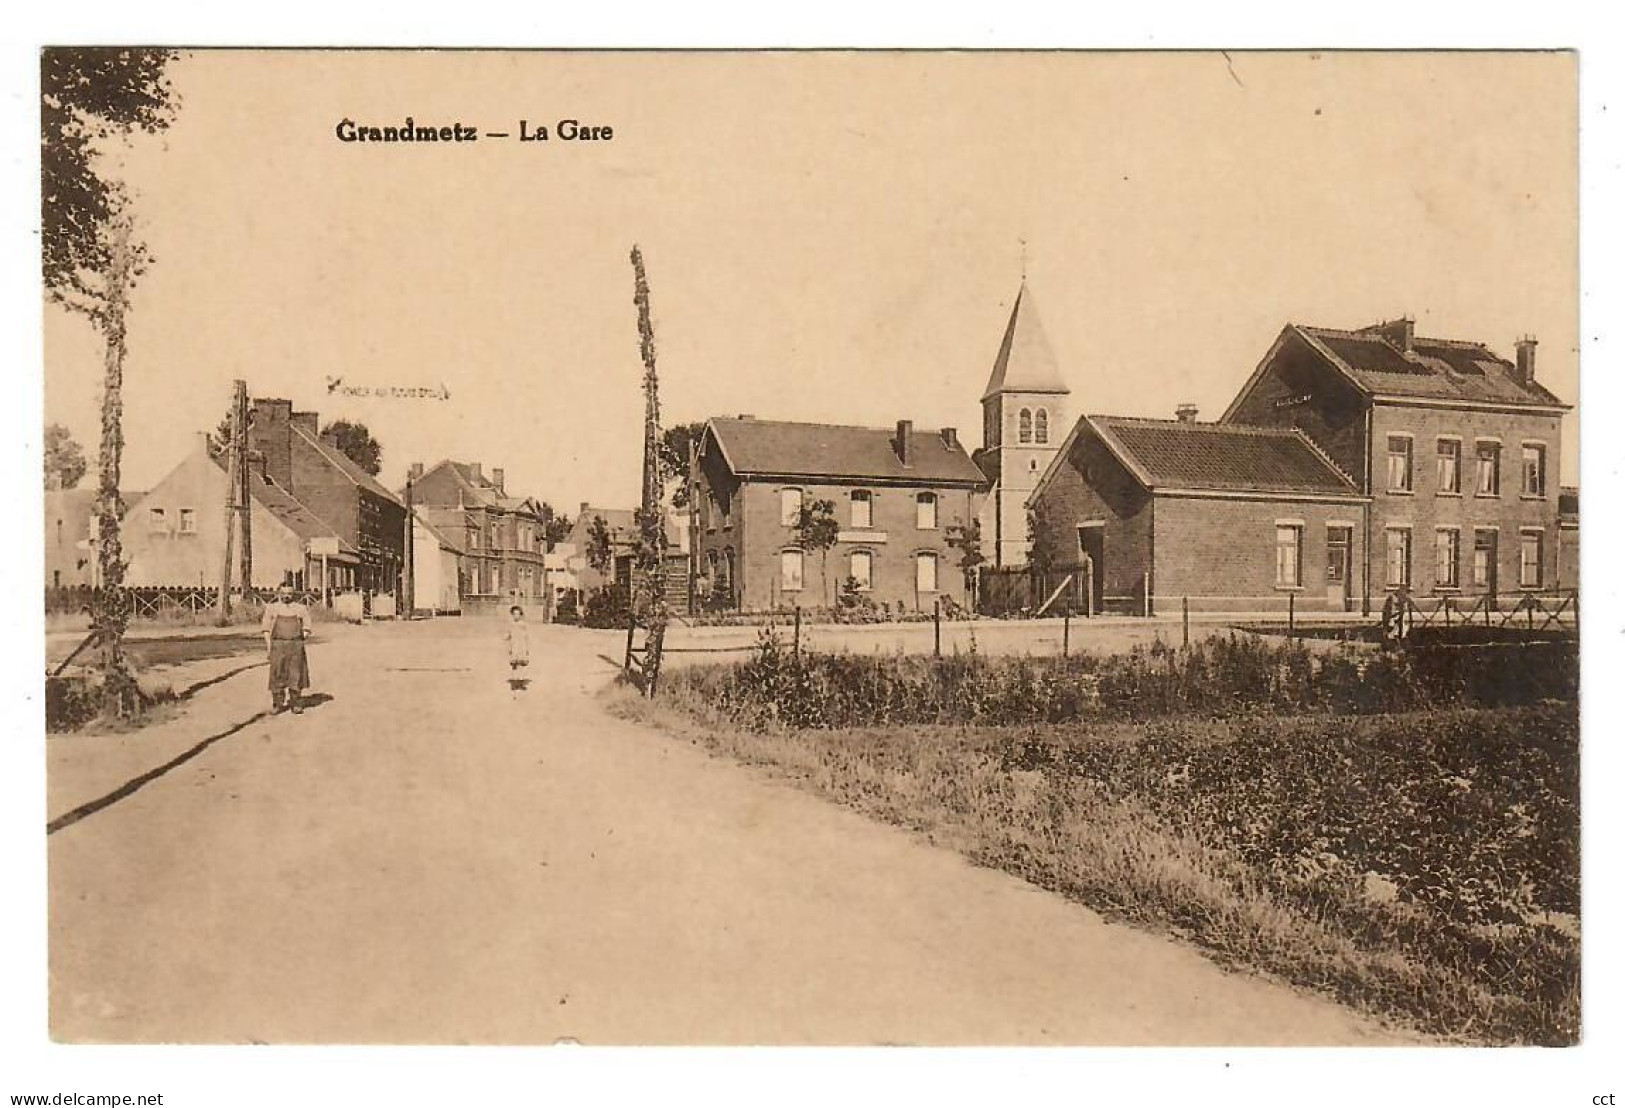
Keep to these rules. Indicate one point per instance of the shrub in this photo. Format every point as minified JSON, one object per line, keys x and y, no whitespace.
{"x":606,"y":607}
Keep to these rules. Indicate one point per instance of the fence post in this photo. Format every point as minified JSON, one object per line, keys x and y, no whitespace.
{"x":1066,"y":631}
{"x":936,"y":621}
{"x":1531,"y":599}
{"x":795,"y":643}
{"x":1291,"y":615}
{"x":631,"y":625}
{"x":1185,"y":618}
{"x":1145,"y":589}
{"x":1089,"y":590}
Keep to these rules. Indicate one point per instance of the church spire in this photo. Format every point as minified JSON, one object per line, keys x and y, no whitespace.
{"x":1025,"y":362}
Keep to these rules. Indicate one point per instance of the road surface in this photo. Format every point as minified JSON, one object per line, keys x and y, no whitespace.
{"x":427,"y":857}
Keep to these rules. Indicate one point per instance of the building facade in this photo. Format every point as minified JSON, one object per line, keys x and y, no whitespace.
{"x":1025,"y":414}
{"x":899,"y":496}
{"x":1136,"y":513}
{"x":1456,"y":447}
{"x":502,"y":537}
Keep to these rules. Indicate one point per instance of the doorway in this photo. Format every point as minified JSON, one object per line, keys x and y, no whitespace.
{"x":1339,"y":562}
{"x":1089,"y":585}
{"x":1485,"y":544}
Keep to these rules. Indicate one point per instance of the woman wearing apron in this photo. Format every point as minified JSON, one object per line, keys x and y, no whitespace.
{"x":286,"y":625}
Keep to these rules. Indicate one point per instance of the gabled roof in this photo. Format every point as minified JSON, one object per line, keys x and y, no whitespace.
{"x":1436,"y":369}
{"x":337,"y":459}
{"x":1025,"y":362}
{"x":289,"y":510}
{"x":773,"y":448}
{"x":446,"y":542}
{"x":1170,"y":455}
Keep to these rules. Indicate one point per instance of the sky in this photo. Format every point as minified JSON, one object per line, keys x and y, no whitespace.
{"x":834,"y":237}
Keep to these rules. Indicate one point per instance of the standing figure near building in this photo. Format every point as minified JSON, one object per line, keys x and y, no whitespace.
{"x":286,"y":626}
{"x":518,"y":636}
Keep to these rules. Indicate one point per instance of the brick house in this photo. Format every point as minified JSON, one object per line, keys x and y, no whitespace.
{"x":1230,"y":517}
{"x":288,"y":452}
{"x":502,"y":537}
{"x":1455,"y":446}
{"x":897,"y":494}
{"x":175,"y":533}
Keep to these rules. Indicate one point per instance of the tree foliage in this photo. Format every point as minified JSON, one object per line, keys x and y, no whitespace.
{"x":1044,"y":551}
{"x":600,"y":546}
{"x":818,"y":529}
{"x":89,"y":98}
{"x":967,"y":539}
{"x":355,"y":442}
{"x":676,"y":443}
{"x":64,"y":458}
{"x":555,"y":526}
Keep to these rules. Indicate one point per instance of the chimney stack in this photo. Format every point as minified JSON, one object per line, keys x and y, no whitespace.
{"x":305,"y":421}
{"x":1525,"y":369}
{"x":414,"y":472}
{"x":904,"y":442}
{"x":496,"y":479}
{"x":584,"y":507}
{"x":474,"y":468}
{"x":270,"y":432}
{"x":950,"y":437}
{"x":1399,"y":332}
{"x":1186,"y":412}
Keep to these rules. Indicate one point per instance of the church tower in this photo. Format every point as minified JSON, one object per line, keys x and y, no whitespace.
{"x":1026,"y":413}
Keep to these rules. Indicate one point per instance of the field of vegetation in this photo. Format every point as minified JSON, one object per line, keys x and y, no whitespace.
{"x":1398,"y":831}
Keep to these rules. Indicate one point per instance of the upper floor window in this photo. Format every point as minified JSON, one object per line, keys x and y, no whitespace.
{"x":1449,"y":466}
{"x":725,"y":509}
{"x":1399,"y":463}
{"x":1489,"y":469}
{"x":925,"y":511}
{"x":790,"y":507}
{"x":1534,"y":469}
{"x":1024,"y":425}
{"x":863,"y":509}
{"x":156,"y":520}
{"x":1041,"y":425}
{"x":188,"y":521}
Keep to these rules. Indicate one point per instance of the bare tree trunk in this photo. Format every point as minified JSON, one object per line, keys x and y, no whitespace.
{"x":652,"y":523}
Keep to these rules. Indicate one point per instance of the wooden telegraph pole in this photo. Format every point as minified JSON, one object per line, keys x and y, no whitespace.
{"x":652,"y":524}
{"x":234,"y":487}
{"x":410,"y":603}
{"x":245,"y":502}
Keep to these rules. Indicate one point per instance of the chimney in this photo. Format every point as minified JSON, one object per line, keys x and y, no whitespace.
{"x":474,"y":468}
{"x":745,"y":415}
{"x":270,"y":433}
{"x":1524,"y":372}
{"x":1399,"y":332}
{"x":903,"y":444}
{"x":414,"y":472}
{"x":305,"y":421}
{"x":496,"y":479}
{"x":584,"y":508}
{"x":1186,"y":412}
{"x":950,"y":438}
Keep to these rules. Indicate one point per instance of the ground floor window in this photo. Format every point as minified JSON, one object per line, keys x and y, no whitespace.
{"x":862,"y":570}
{"x":1399,"y":558}
{"x":1447,"y":558}
{"x":1484,"y":559}
{"x":925,"y":572}
{"x":1289,"y":555}
{"x":790,"y":570}
{"x":1531,"y":572}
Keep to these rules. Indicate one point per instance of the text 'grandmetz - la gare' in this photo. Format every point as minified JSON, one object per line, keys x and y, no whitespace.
{"x":409,"y":130}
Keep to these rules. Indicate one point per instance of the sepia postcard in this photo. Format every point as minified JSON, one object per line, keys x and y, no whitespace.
{"x":811,"y":547}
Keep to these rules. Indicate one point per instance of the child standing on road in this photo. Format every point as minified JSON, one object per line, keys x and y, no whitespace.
{"x":518,"y":636}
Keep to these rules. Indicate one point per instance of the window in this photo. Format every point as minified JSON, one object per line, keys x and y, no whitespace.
{"x":1041,"y":425}
{"x":1489,"y":469}
{"x":1484,"y":559}
{"x":1289,"y":556}
{"x":1024,"y":425}
{"x":863,"y":564}
{"x":156,"y":520}
{"x":188,"y":521}
{"x":925,"y":572}
{"x":863,"y":509}
{"x":1449,"y":467}
{"x":725,"y":509}
{"x":790,"y":570}
{"x":790,"y":507}
{"x":1534,"y":469}
{"x":1447,"y":559}
{"x":1399,"y":463}
{"x":1530,"y":563}
{"x":925,"y":511}
{"x":1399,"y":558}
{"x":1339,"y":549}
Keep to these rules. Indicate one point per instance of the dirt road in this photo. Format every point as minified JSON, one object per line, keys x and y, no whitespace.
{"x":428,"y":857}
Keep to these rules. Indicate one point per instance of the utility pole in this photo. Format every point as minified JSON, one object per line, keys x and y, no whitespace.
{"x":411,"y":603}
{"x":245,"y":502}
{"x":652,"y":545}
{"x":233,"y":487}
